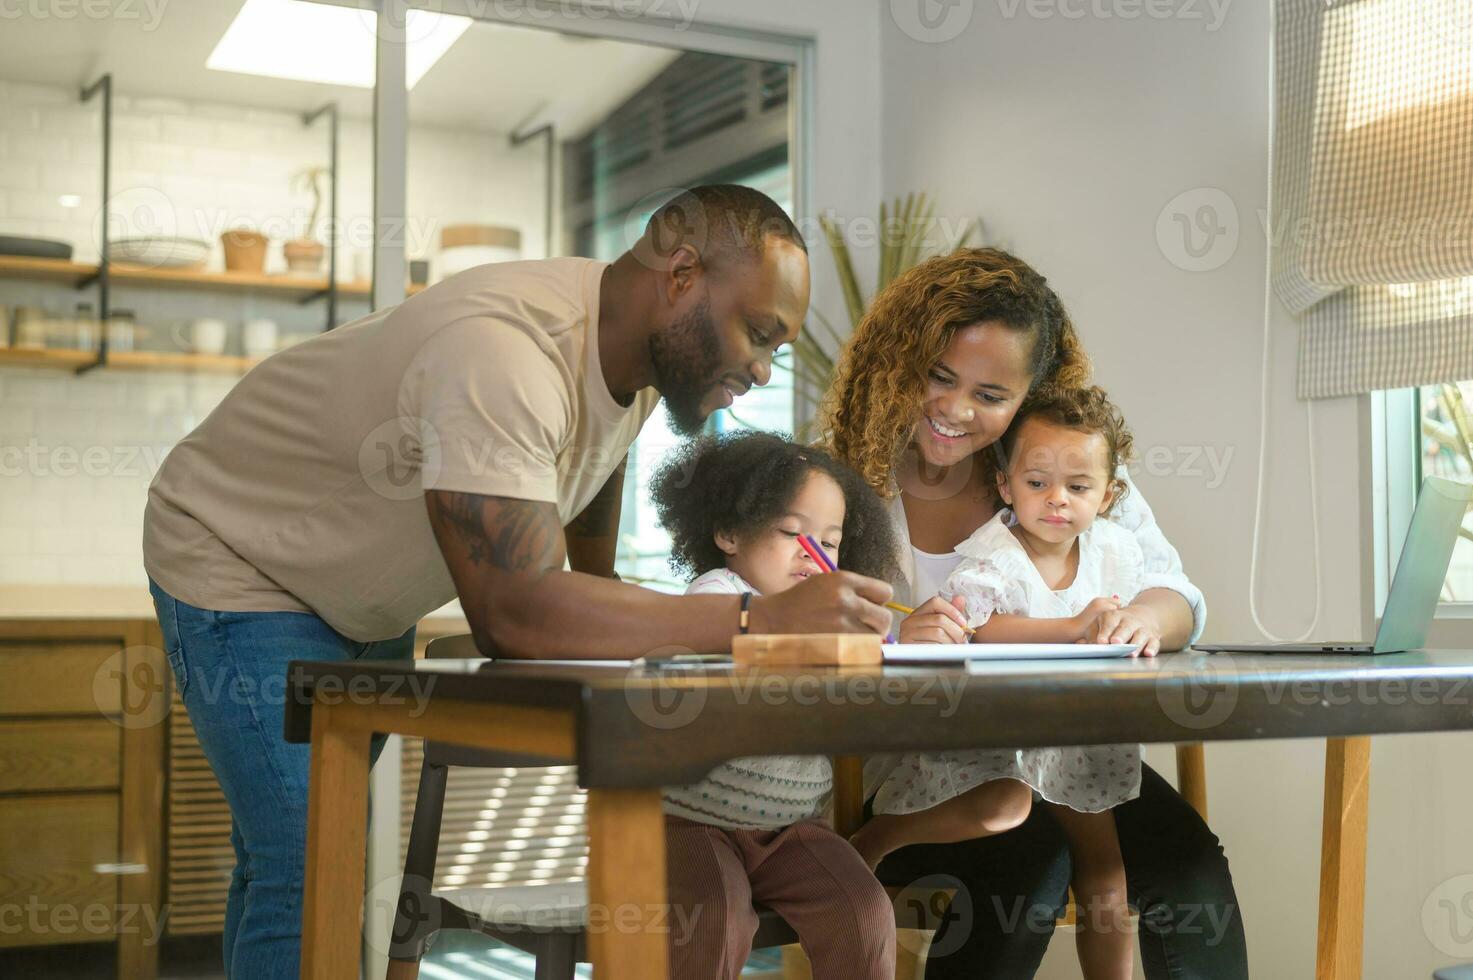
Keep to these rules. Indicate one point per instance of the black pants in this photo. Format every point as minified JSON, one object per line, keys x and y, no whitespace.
{"x":1012,"y":887}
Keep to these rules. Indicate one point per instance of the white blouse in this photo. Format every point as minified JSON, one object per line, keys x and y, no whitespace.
{"x":997,"y":576}
{"x":1163,"y":569}
{"x":932,"y":571}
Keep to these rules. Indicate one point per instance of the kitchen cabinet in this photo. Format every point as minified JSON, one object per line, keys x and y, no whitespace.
{"x":81,"y":785}
{"x":112,"y":825}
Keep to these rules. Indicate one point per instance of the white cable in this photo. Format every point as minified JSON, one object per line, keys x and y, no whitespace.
{"x":1314,"y":505}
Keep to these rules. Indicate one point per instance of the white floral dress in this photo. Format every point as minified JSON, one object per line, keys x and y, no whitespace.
{"x":997,"y":576}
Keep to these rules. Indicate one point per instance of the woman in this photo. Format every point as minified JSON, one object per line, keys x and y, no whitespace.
{"x":929,"y":382}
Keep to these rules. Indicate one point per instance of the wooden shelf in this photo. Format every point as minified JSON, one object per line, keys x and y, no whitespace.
{"x":123,"y":274}
{"x":47,"y":270}
{"x":70,"y":360}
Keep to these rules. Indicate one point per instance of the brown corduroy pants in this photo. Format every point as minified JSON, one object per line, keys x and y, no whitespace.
{"x":806,"y":873}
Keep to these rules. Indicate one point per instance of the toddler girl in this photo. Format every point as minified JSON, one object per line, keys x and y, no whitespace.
{"x":1043,"y":570}
{"x":752,"y":830}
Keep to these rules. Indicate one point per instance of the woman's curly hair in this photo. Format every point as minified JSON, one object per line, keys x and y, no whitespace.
{"x":1087,"y":409}
{"x":742,"y":482}
{"x":871,"y":406}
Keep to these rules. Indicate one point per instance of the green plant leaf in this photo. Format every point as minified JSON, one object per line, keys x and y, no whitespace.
{"x":853,"y":300}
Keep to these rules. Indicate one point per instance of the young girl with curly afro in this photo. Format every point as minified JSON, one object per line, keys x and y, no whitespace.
{"x":753,"y":829}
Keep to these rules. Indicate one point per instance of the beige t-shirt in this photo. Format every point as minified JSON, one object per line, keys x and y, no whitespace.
{"x":303,"y":490}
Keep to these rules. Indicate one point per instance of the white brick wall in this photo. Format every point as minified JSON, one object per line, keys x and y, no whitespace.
{"x":77,"y":454}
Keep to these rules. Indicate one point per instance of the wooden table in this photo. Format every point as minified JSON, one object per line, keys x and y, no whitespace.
{"x":632,"y":730}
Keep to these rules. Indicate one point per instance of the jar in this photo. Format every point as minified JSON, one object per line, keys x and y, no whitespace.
{"x":30,"y":327}
{"x":120,"y":330}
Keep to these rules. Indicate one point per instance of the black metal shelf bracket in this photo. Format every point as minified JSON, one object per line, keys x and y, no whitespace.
{"x":546,"y":132}
{"x":102,"y":277}
{"x":331,"y":292}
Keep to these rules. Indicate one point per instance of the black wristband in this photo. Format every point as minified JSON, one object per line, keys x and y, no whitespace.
{"x":746,"y":617}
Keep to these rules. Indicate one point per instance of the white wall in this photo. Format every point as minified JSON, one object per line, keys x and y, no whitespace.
{"x":1070,"y":135}
{"x":77,"y":454}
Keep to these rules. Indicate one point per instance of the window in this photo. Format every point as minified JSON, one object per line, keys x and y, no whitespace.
{"x":1415,"y":433}
{"x":1446,"y":427}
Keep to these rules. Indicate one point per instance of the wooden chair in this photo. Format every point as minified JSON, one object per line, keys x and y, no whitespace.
{"x":546,"y":921}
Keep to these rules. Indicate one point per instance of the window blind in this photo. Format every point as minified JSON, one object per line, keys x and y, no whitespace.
{"x":1373,"y":186}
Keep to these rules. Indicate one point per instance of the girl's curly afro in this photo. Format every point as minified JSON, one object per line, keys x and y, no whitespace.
{"x":742,"y":482}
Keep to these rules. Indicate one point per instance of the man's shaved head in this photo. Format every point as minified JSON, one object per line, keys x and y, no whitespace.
{"x":720,"y":279}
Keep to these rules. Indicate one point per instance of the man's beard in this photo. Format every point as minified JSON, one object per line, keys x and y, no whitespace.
{"x":686,"y":357}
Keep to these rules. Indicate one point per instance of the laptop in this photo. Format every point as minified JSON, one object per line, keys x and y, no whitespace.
{"x":1416,"y":587}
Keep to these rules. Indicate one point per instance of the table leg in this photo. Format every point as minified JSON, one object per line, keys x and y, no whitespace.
{"x":1343,"y":858}
{"x":628,"y":918}
{"x":848,"y":793}
{"x":337,"y":811}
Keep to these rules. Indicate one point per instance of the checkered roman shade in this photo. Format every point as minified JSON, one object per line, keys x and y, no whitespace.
{"x":1373,"y":187}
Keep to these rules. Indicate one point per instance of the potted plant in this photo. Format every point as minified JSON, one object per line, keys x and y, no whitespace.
{"x":304,"y":255}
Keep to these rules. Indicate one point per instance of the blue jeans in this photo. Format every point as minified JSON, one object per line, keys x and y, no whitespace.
{"x":230,"y":668}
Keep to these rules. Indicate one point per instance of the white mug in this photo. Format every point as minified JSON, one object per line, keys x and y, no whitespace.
{"x":259,"y":337}
{"x":207,"y":336}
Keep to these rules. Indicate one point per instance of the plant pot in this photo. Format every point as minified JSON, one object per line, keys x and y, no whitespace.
{"x":245,"y":250}
{"x":303,"y":256}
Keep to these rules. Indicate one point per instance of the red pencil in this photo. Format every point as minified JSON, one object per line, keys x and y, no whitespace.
{"x":816,"y":553}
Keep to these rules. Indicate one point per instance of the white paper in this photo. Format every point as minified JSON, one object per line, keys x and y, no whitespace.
{"x":899,"y":653}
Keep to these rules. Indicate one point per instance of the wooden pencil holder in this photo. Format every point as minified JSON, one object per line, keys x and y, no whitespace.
{"x":807,"y":650}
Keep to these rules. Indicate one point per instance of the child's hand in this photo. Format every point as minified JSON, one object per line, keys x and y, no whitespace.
{"x":1129,"y":624}
{"x":936,"y":621}
{"x":1085,"y":623}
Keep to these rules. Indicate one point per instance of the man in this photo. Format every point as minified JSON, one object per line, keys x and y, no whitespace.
{"x":465,"y":443}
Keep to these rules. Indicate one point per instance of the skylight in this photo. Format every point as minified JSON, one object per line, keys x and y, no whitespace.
{"x":316,"y":42}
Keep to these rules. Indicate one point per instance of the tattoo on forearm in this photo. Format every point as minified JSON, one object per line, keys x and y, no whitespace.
{"x":510,"y":535}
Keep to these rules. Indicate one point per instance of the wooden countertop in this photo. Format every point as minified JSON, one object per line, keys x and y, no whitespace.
{"x":110,"y":602}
